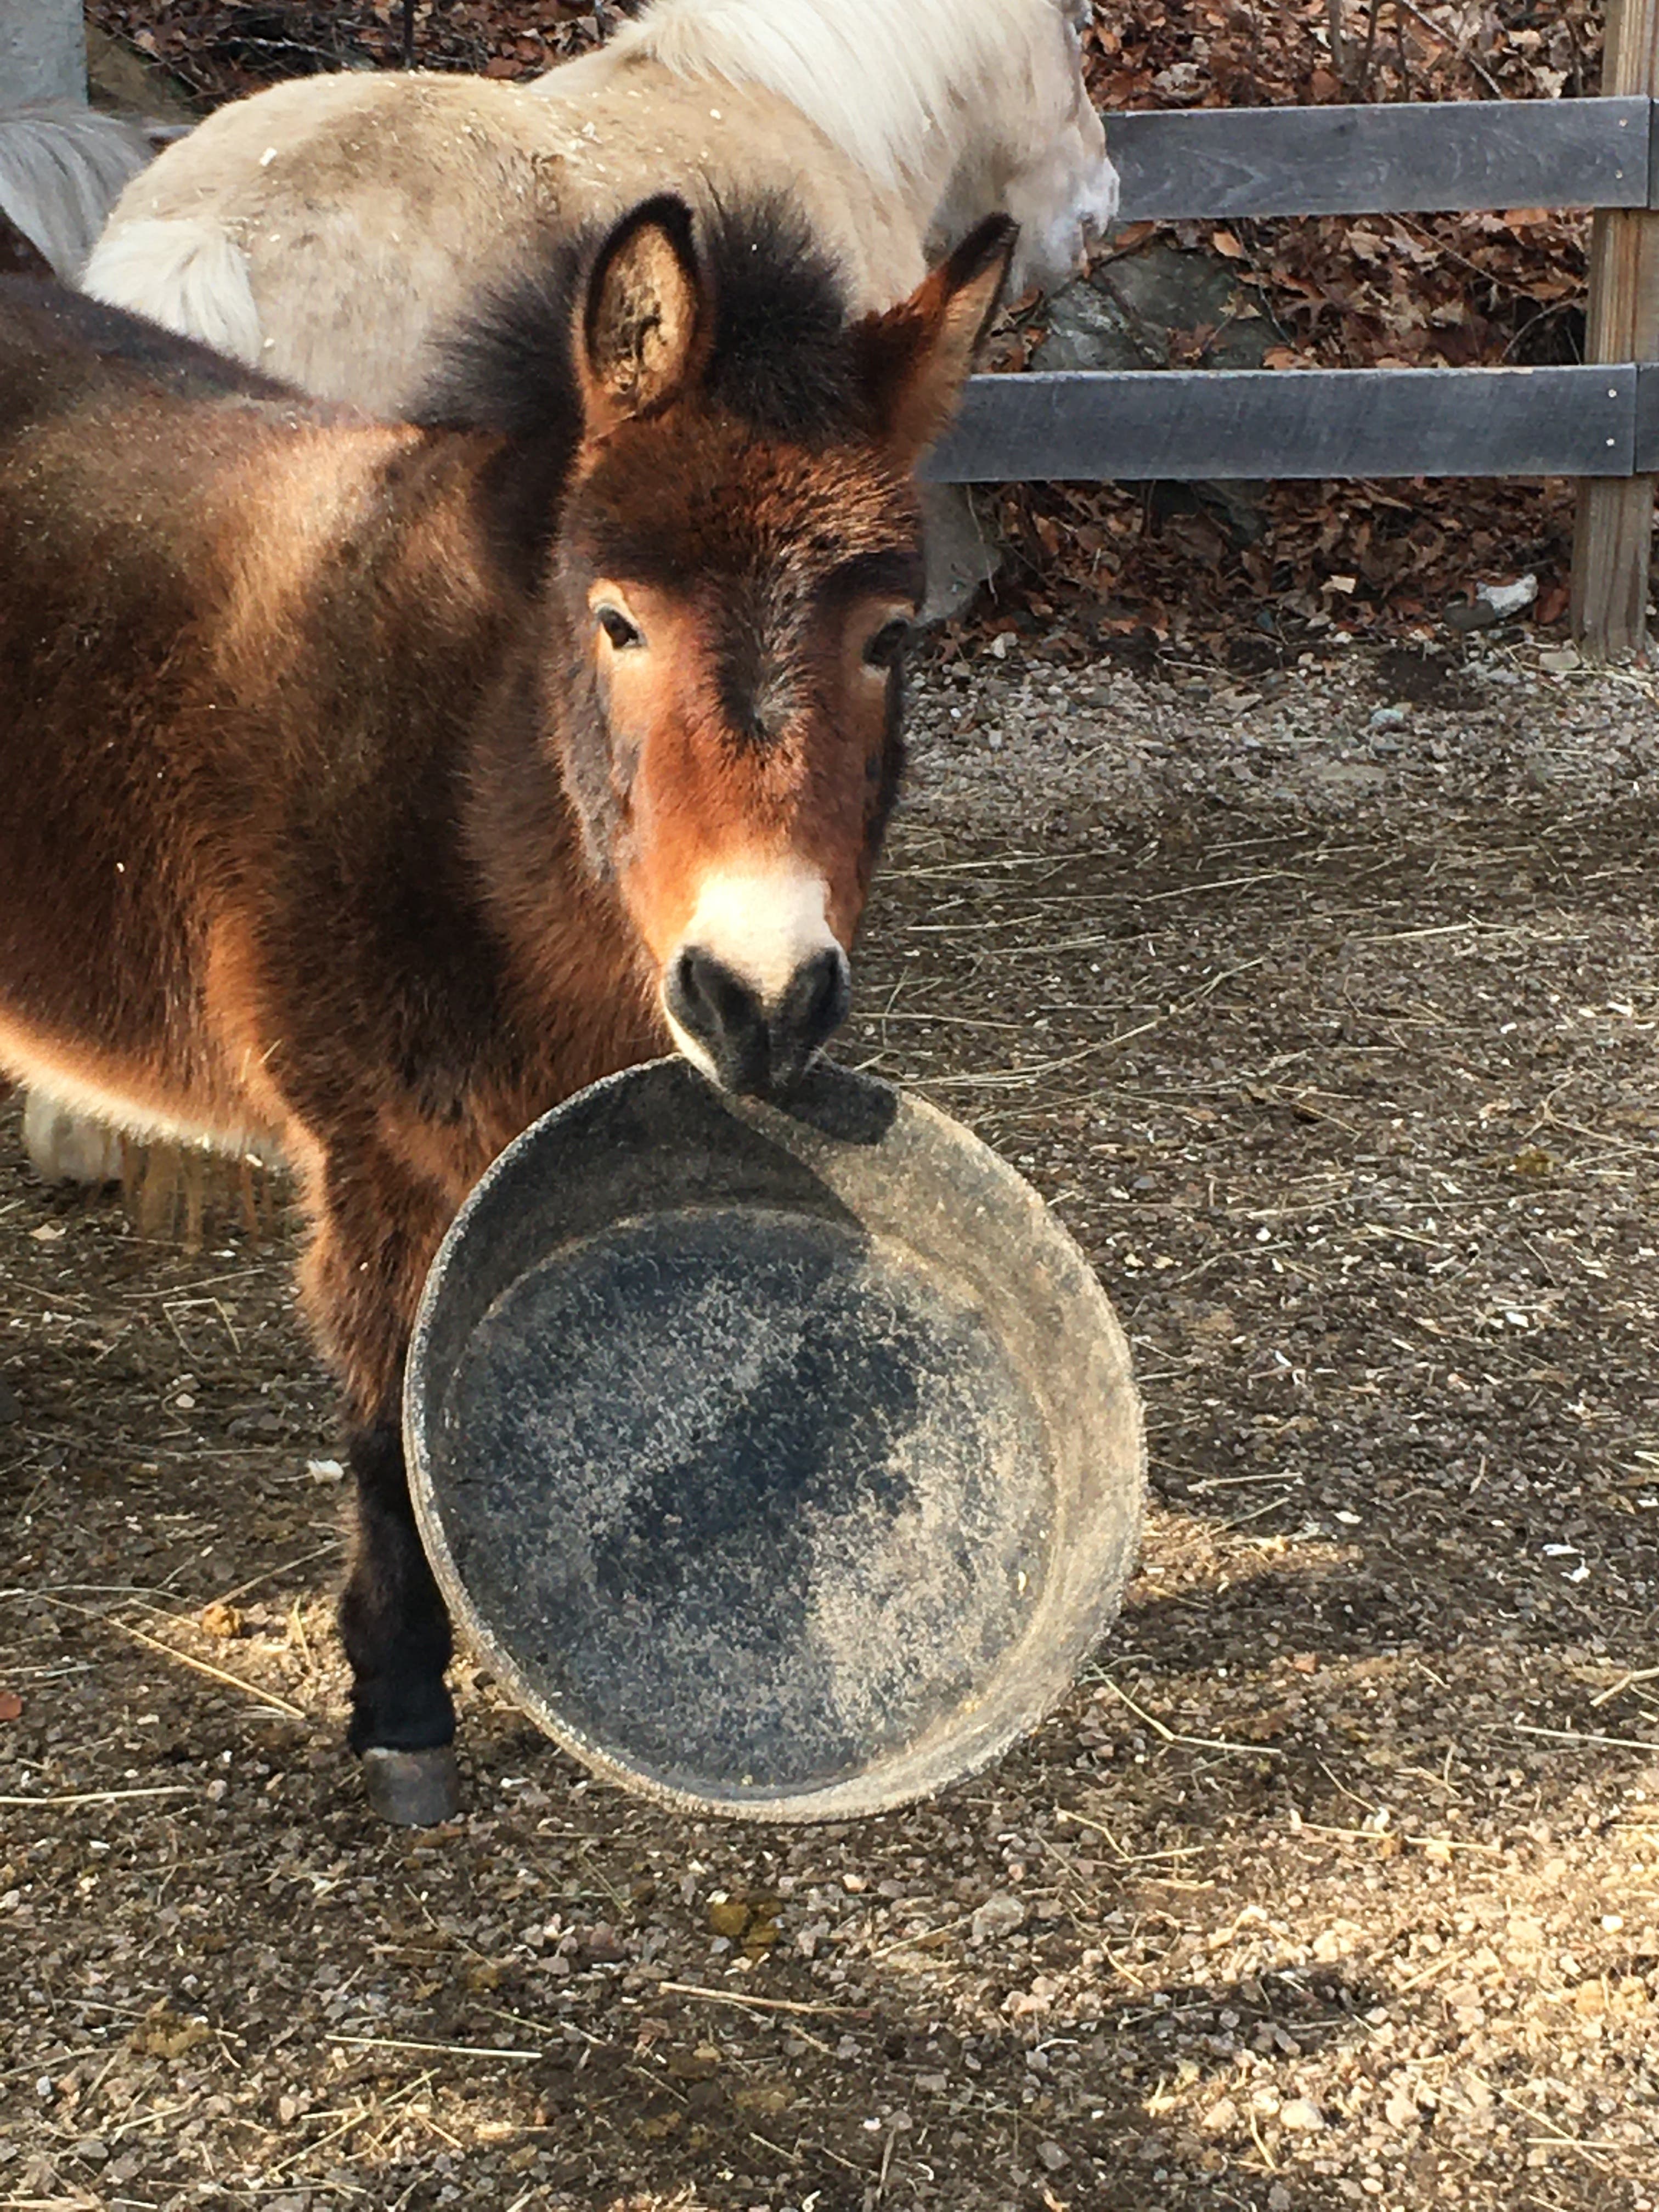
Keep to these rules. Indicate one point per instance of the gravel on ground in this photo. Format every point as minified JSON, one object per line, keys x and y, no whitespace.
{"x":1321,"y":1008}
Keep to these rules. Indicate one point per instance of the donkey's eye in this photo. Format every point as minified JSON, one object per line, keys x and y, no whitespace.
{"x":622,"y":632}
{"x":885,"y":646}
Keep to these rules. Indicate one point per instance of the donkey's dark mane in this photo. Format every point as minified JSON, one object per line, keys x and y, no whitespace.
{"x":782,"y":358}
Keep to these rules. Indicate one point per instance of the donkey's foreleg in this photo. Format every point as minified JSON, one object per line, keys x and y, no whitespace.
{"x":395,"y":1628}
{"x":377,"y":1230}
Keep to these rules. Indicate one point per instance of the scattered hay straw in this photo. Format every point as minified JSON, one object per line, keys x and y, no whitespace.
{"x":103,"y":1797}
{"x":217,"y":1673}
{"x":758,"y":2004}
{"x":1192,"y":1742}
{"x":449,"y":2049}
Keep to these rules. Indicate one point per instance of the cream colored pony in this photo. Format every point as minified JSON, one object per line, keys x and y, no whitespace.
{"x":325,"y":230}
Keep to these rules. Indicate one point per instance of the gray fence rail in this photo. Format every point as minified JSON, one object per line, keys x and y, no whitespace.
{"x":1187,"y":424}
{"x":1132,"y":425}
{"x":1225,"y":161}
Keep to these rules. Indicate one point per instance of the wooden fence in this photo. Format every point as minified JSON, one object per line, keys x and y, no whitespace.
{"x":1598,"y":421}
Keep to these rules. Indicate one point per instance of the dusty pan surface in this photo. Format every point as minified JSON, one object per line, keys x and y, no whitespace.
{"x":780,"y":1463}
{"x":1331,"y":1040}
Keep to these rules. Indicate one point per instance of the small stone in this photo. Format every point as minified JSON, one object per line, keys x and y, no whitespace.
{"x":1279,"y":2198}
{"x":1507,"y":599}
{"x":1052,"y":2156}
{"x":1000,"y":1915}
{"x":1401,"y":2111}
{"x":1300,"y":2114}
{"x":1477,"y":614}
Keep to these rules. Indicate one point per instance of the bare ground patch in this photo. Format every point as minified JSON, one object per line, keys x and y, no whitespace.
{"x":1336,"y":1879}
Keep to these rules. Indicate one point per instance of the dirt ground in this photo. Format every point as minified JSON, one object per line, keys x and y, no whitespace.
{"x":1322,"y":1009}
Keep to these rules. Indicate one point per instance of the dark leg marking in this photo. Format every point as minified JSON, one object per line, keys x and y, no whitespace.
{"x":396,"y":1632}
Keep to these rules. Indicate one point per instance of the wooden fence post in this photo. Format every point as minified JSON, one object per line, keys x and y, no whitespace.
{"x":1614,"y":536}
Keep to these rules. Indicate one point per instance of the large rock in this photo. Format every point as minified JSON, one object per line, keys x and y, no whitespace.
{"x":121,"y":78}
{"x":1133,"y":310}
{"x":1136,"y":310}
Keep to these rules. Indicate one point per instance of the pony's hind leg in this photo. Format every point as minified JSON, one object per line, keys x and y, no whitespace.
{"x":396,"y":1631}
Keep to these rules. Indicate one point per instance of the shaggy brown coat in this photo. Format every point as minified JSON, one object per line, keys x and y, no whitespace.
{"x":332,"y":811}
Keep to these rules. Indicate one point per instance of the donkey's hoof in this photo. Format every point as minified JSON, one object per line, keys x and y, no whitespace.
{"x":413,"y":1789}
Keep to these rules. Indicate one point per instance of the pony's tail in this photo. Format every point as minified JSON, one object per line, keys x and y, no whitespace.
{"x":185,"y":274}
{"x":61,"y":171}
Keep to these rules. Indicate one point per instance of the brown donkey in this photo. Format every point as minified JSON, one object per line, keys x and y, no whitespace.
{"x":367,"y":789}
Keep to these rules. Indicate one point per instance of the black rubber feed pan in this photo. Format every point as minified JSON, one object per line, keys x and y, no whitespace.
{"x":780,"y":1462}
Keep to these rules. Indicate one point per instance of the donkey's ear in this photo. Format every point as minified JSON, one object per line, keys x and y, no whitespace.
{"x":645,"y":323}
{"x":917,"y":355}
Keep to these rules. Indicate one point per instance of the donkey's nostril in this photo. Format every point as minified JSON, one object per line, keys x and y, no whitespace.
{"x":747,"y":1044}
{"x":708,"y":997}
{"x":813,"y":1007}
{"x":722,"y":1014}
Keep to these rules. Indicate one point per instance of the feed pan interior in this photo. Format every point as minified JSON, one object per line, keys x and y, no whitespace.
{"x":779,"y":1461}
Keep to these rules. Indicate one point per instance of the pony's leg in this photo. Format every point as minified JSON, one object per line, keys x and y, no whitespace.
{"x":64,"y":1146}
{"x":377,"y":1228}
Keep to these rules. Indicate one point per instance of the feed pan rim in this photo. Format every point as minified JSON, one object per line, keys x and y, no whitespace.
{"x":1017,"y":1695}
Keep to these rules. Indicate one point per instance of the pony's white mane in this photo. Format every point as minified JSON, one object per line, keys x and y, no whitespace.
{"x":881,"y":78}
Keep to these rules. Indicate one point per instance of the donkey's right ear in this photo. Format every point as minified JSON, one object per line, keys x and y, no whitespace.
{"x":646,"y":319}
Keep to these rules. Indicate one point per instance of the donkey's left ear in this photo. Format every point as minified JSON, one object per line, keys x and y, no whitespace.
{"x":918,"y":355}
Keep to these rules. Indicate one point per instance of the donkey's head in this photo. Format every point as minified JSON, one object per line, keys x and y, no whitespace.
{"x":736,"y":572}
